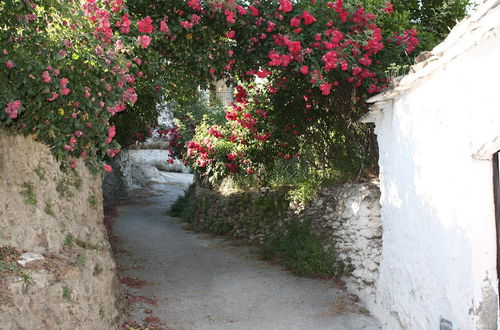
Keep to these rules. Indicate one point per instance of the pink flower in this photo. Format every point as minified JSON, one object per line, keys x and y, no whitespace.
{"x":304,"y":69}
{"x":78,"y":133}
{"x":145,"y":25}
{"x":325,"y":88}
{"x":68,"y":148}
{"x":186,"y":24}
{"x":54,"y":97}
{"x":46,"y":77}
{"x":111,"y":131}
{"x":64,"y":90}
{"x":231,"y":34}
{"x":130,"y":96}
{"x":12,"y":109}
{"x":9,"y":64}
{"x":124,"y":24}
{"x":73,"y":163}
{"x":144,"y":41}
{"x":163,"y":26}
{"x":107,"y":168}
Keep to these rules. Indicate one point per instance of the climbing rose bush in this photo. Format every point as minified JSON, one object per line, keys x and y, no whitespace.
{"x":70,"y":66}
{"x":66,"y":68}
{"x":318,"y":60}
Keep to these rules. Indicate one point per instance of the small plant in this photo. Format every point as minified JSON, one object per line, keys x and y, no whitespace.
{"x":77,"y":180}
{"x":48,"y":208}
{"x":66,"y":293}
{"x":69,"y":239}
{"x":92,"y":201}
{"x":81,"y":260}
{"x":29,"y":193}
{"x":27,"y":278}
{"x":40,"y":172}
{"x":302,"y":252}
{"x":97,"y":270}
{"x":87,"y":246}
{"x":63,"y":187}
{"x":101,"y":312}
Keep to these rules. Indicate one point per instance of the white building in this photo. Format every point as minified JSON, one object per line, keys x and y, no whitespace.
{"x":439,"y":131}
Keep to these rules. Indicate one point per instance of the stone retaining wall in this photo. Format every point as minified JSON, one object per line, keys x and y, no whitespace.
{"x":59,"y":217}
{"x":348,"y":217}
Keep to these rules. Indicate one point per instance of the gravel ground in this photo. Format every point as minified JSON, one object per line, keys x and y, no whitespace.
{"x":202,"y":282}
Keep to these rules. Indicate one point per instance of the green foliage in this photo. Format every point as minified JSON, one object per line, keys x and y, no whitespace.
{"x":264,"y":214}
{"x":29,"y":193}
{"x":97,"y":270}
{"x":66,"y":294}
{"x":40,"y":172}
{"x":92,"y":201}
{"x":80,"y":260}
{"x":302,"y":252}
{"x":26,"y":277}
{"x":69,"y":239}
{"x":48,"y":208}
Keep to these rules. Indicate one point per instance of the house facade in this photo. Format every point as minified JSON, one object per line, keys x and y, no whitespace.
{"x":438,"y":131}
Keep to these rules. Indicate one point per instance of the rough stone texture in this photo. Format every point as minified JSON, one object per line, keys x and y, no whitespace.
{"x":348,"y":217}
{"x":66,"y":206}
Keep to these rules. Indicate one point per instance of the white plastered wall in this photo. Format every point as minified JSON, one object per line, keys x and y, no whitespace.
{"x":439,"y":239}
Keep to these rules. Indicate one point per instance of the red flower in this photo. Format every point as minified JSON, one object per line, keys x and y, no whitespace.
{"x":325,"y":88}
{"x":254,"y":11}
{"x":285,"y":6}
{"x":195,"y":4}
{"x":263,"y":73}
{"x":308,"y":18}
{"x":295,"y":22}
{"x":304,"y":69}
{"x":229,"y":16}
{"x":388,"y":8}
{"x":145,"y":25}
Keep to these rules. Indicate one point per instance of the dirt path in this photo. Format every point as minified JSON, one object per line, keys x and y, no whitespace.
{"x":201,"y":282}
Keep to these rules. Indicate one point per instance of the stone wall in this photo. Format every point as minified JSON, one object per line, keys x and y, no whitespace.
{"x":348,"y":217}
{"x":345,"y":216}
{"x":138,"y":167}
{"x":59,"y":217}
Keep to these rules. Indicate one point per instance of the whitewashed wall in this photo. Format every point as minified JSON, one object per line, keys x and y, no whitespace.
{"x":437,"y":132}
